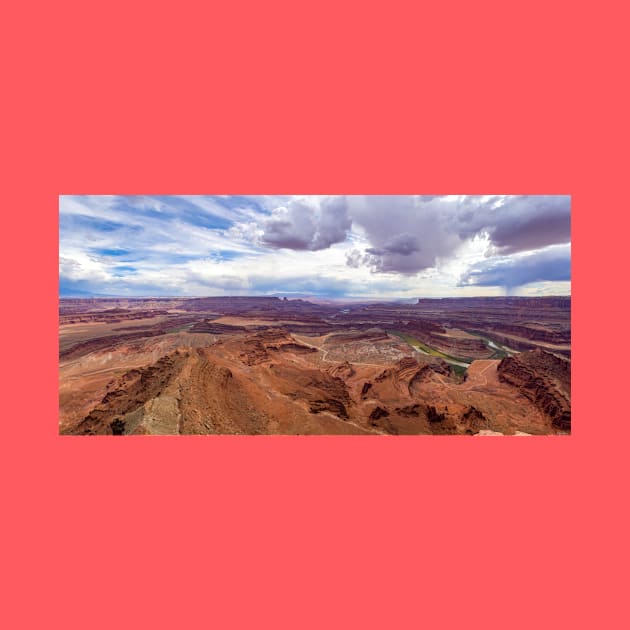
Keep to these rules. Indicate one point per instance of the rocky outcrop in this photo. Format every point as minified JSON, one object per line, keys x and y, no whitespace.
{"x":343,"y":370}
{"x":433,"y":415}
{"x":378,"y":412}
{"x":471,"y":347}
{"x":101,"y":343}
{"x":405,"y":369}
{"x":256,"y":347}
{"x":536,"y":332}
{"x":319,"y":390}
{"x":327,"y":393}
{"x":474,"y":421}
{"x":310,"y":328}
{"x":109,"y":316}
{"x":545,"y":380}
{"x":427,"y":371}
{"x":131,"y":391}
{"x":296,"y":348}
{"x":420,"y":327}
{"x":255,"y":353}
{"x":328,"y":404}
{"x":408,"y":373}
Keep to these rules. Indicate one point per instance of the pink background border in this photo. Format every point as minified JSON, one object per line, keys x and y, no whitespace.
{"x":312,"y":532}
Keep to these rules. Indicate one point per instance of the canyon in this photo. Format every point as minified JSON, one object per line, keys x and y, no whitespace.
{"x":270,"y":365}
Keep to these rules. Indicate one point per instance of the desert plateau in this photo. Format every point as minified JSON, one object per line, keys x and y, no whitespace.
{"x":271,"y":365}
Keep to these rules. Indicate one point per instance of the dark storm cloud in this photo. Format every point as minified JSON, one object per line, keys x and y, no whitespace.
{"x":406,"y":233}
{"x":410,"y":233}
{"x":518,"y":223}
{"x":403,"y":244}
{"x":304,"y":226}
{"x":549,"y":264}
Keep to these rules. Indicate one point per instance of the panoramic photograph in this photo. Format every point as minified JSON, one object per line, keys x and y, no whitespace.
{"x":315,"y":315}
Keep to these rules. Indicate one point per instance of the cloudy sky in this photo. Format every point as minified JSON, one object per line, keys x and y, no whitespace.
{"x":400,"y":246}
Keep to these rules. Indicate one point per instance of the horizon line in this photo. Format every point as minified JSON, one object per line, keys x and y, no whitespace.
{"x":303,"y":297}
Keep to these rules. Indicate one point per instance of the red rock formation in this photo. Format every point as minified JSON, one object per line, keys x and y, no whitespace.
{"x":318,"y":389}
{"x":545,"y":380}
{"x":407,"y":374}
{"x":472,"y":347}
{"x":100,"y":343}
{"x":343,"y":370}
{"x":130,"y":392}
{"x":474,"y":420}
{"x":296,"y":348}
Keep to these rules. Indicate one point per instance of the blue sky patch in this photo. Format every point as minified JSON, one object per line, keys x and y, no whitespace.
{"x":103,"y":251}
